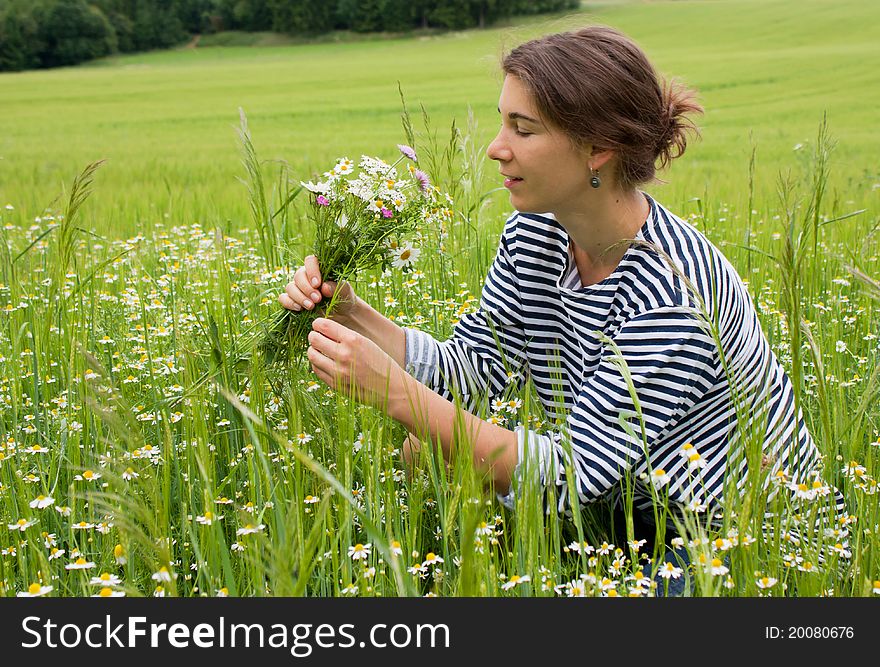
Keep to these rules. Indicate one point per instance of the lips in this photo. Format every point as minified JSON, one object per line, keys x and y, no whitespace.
{"x":510,"y":181}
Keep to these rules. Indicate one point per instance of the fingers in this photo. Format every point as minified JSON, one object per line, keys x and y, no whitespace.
{"x":307,"y":288}
{"x":334,"y":330}
{"x":292,"y":298}
{"x":313,"y":272}
{"x":325,"y":377}
{"x":306,"y":295}
{"x":322,"y":366}
{"x":287,"y":302}
{"x":409,"y":450}
{"x":327,"y":347}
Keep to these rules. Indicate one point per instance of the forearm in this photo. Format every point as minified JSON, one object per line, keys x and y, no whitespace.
{"x":369,"y":322}
{"x":427,"y":414}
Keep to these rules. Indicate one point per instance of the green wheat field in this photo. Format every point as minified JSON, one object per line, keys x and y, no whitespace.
{"x":146,"y":450}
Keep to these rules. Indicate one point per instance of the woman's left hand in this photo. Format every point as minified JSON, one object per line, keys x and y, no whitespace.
{"x":353,"y":364}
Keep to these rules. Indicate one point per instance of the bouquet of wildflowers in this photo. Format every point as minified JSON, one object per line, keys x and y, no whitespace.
{"x":364,"y":216}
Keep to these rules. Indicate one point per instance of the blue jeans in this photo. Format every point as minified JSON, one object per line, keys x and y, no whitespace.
{"x":674,"y":588}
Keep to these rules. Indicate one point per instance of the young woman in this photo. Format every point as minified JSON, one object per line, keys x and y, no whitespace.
{"x":637,"y":332}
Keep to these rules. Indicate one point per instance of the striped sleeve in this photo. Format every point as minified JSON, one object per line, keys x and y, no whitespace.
{"x":671,"y":360}
{"x":487,"y":347}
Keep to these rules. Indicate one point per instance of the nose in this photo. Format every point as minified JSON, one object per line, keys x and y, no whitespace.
{"x":498,"y":149}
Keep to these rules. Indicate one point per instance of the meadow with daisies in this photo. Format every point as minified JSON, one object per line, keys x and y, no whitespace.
{"x":160,"y":436}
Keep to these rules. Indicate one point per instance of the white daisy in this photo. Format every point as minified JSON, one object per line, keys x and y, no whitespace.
{"x":405,"y":256}
{"x":34,"y":591}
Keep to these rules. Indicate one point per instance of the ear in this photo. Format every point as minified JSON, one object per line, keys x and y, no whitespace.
{"x":599,"y":157}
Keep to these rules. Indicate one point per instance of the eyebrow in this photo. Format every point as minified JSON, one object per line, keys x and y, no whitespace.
{"x":515,"y":115}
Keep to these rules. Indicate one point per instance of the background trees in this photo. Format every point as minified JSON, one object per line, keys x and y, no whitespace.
{"x":53,"y":33}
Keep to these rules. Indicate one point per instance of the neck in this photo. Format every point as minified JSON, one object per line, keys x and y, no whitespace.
{"x":600,"y":223}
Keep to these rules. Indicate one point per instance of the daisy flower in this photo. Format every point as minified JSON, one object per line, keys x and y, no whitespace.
{"x":344,"y":166}
{"x":659,"y":478}
{"x":717,"y":568}
{"x":317,"y":188}
{"x":360,"y":551}
{"x":35,"y":591}
{"x":105,"y":579}
{"x":208,"y":518}
{"x":515,"y":580}
{"x":80,"y":564}
{"x":21,"y":525}
{"x":405,"y":256}
{"x":802,"y":491}
{"x":692,"y":456}
{"x":432,"y":559}
{"x":42,"y":502}
{"x":575,"y":589}
{"x":418,"y":568}
{"x":635,"y":545}
{"x":581,"y":547}
{"x":513,"y":405}
{"x":108,"y":592}
{"x":604,"y":549}
{"x":250,"y":529}
{"x":668,"y":570}
{"x":639,"y":579}
{"x":841,"y":550}
{"x":721,"y":544}
{"x":854,"y":469}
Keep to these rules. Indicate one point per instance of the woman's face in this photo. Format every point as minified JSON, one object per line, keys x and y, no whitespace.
{"x":542,"y":169}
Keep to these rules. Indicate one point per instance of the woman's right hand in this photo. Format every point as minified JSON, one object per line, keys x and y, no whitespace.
{"x":308,"y":289}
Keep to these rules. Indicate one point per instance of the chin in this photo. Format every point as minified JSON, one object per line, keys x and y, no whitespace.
{"x":522,"y":205}
{"x":535,"y":210}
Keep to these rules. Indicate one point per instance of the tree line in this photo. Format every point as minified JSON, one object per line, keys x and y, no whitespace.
{"x":56,"y":33}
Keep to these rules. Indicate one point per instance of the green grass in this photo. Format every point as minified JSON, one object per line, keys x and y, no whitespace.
{"x":766,"y":70}
{"x":107,"y":338}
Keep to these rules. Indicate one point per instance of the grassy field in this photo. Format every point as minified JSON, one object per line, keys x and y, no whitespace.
{"x":141,"y":452}
{"x":767,"y":72}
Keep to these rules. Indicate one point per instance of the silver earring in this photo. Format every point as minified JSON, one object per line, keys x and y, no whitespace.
{"x":594,"y":179}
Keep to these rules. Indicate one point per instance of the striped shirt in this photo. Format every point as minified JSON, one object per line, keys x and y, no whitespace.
{"x":643,"y":371}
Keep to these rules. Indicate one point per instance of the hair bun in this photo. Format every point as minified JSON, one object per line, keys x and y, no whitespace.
{"x":679,"y":104}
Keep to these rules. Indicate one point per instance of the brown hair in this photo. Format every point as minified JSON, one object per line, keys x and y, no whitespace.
{"x":598,"y":87}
